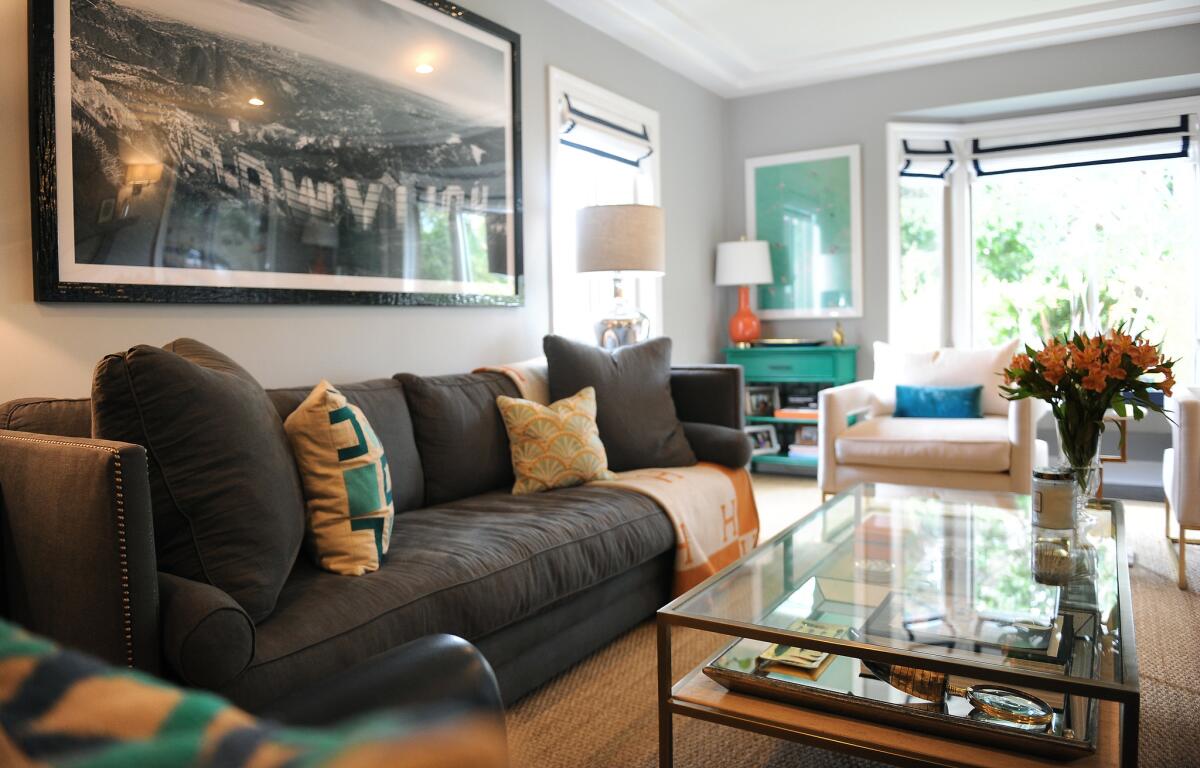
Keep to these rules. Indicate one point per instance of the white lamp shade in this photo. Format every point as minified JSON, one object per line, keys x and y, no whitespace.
{"x":744,"y":262}
{"x":620,"y":238}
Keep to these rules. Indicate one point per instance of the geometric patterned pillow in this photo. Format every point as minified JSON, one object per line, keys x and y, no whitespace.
{"x":347,"y":485}
{"x":67,"y":710}
{"x":556,"y":445}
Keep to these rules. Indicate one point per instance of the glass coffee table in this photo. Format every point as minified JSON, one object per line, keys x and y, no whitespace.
{"x":921,"y":627}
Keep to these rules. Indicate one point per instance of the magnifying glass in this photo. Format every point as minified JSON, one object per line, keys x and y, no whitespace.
{"x":994,"y":702}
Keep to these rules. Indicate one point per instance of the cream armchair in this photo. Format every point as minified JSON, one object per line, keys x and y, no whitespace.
{"x":1181,"y":472}
{"x":861,"y":441}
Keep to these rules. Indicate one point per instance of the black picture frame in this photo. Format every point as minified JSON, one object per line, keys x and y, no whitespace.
{"x":48,"y":287}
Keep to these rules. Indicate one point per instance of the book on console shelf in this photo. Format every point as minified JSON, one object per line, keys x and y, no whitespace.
{"x":810,"y":414}
{"x":796,"y":450}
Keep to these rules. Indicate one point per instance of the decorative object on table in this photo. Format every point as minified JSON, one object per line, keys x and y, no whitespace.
{"x":1053,"y":498}
{"x":744,"y":263}
{"x":1082,"y":377}
{"x":786,"y":343}
{"x":762,"y":400}
{"x":763,"y":439}
{"x":382,"y":167}
{"x":1050,"y":557}
{"x":556,"y":445}
{"x":839,"y":334}
{"x":621,"y":240}
{"x":808,"y":206}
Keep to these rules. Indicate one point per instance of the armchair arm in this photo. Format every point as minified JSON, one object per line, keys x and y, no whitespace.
{"x":1184,"y":409}
{"x":720,"y":445}
{"x":208,"y":639}
{"x":78,"y":545}
{"x":837,"y":405}
{"x":709,"y":394}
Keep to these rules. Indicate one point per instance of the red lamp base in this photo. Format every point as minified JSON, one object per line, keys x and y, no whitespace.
{"x":744,"y":326}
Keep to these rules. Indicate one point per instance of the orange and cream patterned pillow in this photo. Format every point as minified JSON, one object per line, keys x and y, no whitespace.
{"x":556,"y":445}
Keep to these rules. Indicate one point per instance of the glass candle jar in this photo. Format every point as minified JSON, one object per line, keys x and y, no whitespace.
{"x":1053,"y":498}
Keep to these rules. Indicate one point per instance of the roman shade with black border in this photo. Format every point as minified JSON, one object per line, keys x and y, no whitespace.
{"x":588,"y":130}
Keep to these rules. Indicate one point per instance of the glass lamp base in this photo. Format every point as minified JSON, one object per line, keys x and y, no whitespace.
{"x":615,"y":332}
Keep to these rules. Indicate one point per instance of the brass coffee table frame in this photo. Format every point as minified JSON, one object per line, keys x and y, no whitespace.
{"x":1125,"y":694}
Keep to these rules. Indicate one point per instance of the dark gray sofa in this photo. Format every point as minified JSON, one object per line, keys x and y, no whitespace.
{"x":536,"y":582}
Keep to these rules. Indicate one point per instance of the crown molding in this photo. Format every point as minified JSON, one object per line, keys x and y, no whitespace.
{"x":664,"y":31}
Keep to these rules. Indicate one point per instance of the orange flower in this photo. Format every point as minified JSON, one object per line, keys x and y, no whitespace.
{"x":1144,"y":355}
{"x":1086,"y":358}
{"x":1020,"y":364}
{"x":1054,"y":373}
{"x":1120,"y":342}
{"x":1114,"y":366}
{"x":1096,"y":379}
{"x":1167,"y":385}
{"x":1053,"y":354}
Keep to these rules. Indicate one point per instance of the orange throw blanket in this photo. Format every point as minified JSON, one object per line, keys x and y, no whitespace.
{"x":711,"y":507}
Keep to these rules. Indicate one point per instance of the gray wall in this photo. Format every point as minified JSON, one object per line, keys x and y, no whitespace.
{"x":51,"y":349}
{"x":856,"y":112}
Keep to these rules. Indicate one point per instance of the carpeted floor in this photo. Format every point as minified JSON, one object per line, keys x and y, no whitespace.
{"x":602,"y":712}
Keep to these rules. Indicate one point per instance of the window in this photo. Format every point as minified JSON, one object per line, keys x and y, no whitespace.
{"x":604,"y":150}
{"x":1043,"y":225}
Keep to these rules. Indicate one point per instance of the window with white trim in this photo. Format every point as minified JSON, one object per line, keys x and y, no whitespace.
{"x":604,"y":150}
{"x":1035,"y":226}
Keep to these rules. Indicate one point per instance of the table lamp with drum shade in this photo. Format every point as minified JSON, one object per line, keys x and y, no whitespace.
{"x":622,"y":240}
{"x":744,"y":263}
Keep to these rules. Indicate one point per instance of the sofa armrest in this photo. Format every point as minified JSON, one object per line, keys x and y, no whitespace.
{"x":435,"y":671}
{"x":836,"y":406}
{"x":207,"y":638}
{"x":78,"y":545}
{"x":709,"y":394}
{"x":720,"y":445}
{"x":1023,"y":416}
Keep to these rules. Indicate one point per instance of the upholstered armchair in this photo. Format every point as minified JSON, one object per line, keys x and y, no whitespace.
{"x":860,"y":440}
{"x":1181,"y":471}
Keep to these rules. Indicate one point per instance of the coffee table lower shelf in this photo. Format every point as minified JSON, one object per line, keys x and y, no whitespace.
{"x":699,"y":697}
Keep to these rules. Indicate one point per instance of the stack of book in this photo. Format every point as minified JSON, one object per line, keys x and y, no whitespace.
{"x":806,"y":414}
{"x":805,"y":443}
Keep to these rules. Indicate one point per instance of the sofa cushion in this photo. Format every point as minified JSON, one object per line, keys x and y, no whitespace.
{"x":947,"y":367}
{"x":226,"y":498}
{"x":968,"y":445}
{"x":48,"y":416}
{"x":382,"y":401}
{"x":347,"y":486}
{"x":634,"y":409}
{"x":468,"y":568}
{"x":459,"y":433}
{"x":556,"y":445}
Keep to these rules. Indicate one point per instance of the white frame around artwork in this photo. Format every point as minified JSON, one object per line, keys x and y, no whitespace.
{"x":854,"y":153}
{"x":766,"y":429}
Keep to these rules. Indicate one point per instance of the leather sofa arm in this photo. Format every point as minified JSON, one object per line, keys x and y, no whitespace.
{"x":720,"y":445}
{"x":78,"y":545}
{"x":709,"y":394}
{"x":207,"y":638}
{"x":436,"y":671}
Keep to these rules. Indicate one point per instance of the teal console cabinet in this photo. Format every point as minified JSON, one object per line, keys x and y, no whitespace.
{"x":787,"y":367}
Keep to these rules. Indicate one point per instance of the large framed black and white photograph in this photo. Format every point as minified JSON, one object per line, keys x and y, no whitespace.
{"x":274,"y":151}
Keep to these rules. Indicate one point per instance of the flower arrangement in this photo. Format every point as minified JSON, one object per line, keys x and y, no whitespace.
{"x":1081,"y":377}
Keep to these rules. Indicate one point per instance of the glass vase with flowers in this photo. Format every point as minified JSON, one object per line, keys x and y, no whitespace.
{"x":1083,"y":376}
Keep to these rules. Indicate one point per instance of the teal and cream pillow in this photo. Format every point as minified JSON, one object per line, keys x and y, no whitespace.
{"x":556,"y":445}
{"x":347,"y":485}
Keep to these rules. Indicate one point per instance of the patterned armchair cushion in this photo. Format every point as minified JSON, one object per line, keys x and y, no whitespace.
{"x":61,"y":708}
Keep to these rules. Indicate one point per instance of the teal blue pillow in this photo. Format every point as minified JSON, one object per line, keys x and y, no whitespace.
{"x":939,"y":402}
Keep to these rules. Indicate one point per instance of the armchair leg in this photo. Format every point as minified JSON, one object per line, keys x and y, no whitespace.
{"x":1183,"y":558}
{"x":1167,"y":517}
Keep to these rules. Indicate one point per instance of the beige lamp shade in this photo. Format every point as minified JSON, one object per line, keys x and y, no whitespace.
{"x":620,"y":238}
{"x":744,"y":262}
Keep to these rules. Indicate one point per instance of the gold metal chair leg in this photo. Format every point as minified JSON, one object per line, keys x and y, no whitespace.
{"x":1183,"y":558}
{"x":1167,"y":517}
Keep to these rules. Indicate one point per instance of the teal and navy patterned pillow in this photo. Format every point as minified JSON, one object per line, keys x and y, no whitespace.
{"x":63,"y":709}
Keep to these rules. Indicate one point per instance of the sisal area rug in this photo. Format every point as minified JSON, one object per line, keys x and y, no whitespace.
{"x":602,"y":712}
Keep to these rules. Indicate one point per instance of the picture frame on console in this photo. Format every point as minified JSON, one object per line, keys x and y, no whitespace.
{"x":763,"y":440}
{"x":275,"y":151}
{"x":761,"y":400}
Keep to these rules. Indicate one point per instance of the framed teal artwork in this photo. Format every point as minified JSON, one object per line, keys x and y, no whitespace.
{"x":808,"y":206}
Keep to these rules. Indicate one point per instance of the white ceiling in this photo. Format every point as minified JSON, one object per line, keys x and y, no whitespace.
{"x":739,"y":47}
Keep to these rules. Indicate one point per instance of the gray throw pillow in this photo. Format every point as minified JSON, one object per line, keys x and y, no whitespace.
{"x":634,"y":409}
{"x":226,"y":496}
{"x":460,"y":435}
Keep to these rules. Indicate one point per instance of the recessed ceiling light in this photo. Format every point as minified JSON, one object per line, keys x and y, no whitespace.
{"x":424,"y":69}
{"x":256,"y":102}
